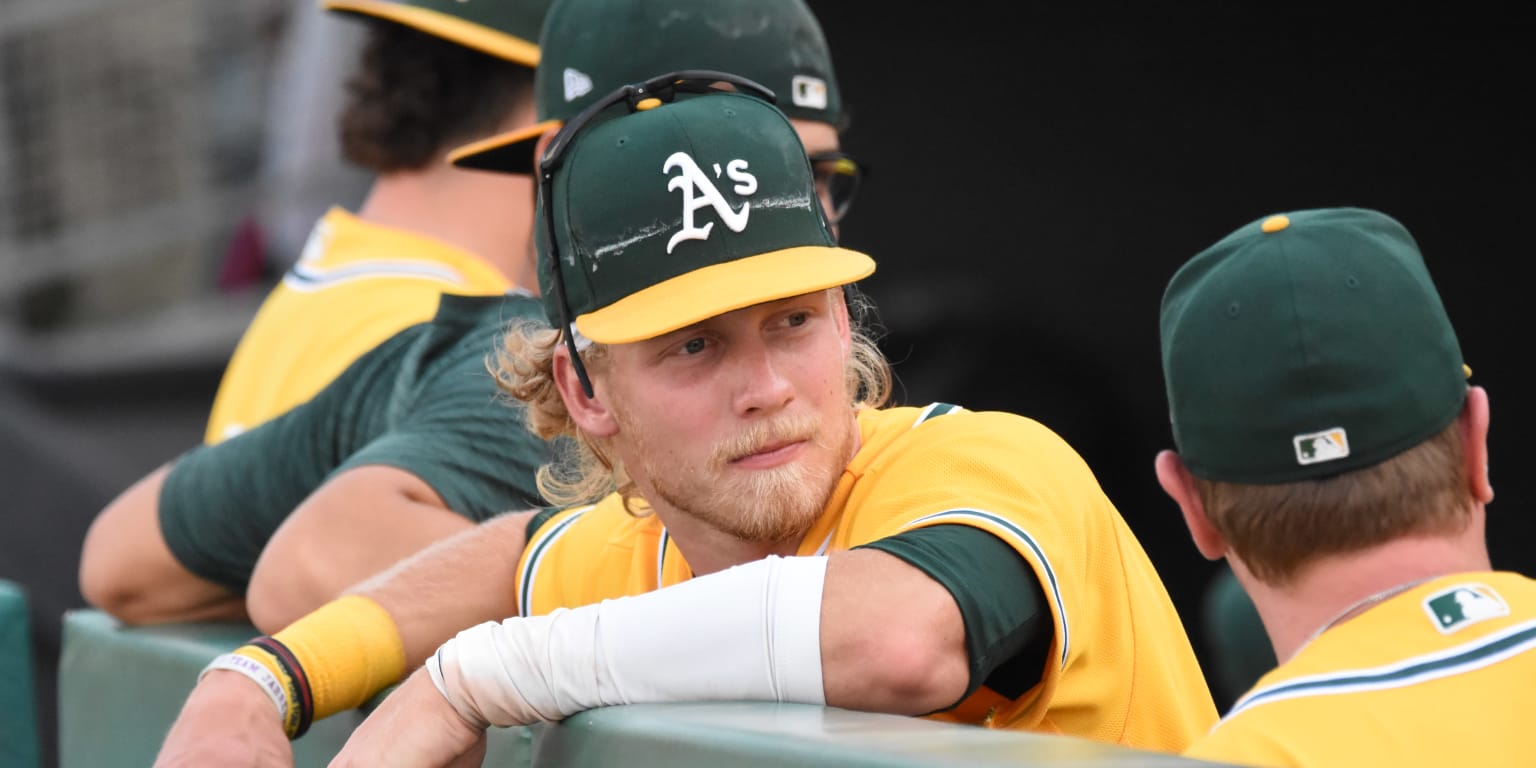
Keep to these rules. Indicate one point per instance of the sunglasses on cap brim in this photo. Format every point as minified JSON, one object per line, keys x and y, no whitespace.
{"x":662,"y":88}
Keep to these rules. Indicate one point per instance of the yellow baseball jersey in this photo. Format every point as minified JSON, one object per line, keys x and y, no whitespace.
{"x":1120,"y":669}
{"x":1441,"y":674}
{"x":355,"y":285}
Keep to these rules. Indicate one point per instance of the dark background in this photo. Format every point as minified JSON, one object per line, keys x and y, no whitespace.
{"x":1038,"y":175}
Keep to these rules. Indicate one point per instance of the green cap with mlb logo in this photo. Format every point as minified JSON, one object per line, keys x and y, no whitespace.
{"x":681,"y":211}
{"x":591,"y":47}
{"x":1305,"y":345}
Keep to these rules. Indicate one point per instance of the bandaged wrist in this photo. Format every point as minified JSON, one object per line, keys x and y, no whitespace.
{"x":749,"y":633}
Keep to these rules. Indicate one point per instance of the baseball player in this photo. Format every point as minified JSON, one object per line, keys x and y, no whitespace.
{"x":1330,"y":448}
{"x":433,"y":74}
{"x":763,"y":529}
{"x":193,"y":550}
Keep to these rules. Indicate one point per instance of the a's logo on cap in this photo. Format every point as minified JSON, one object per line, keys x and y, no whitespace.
{"x":699,"y":191}
{"x":809,"y":92}
{"x":577,"y":84}
{"x":1463,"y":605}
{"x":1327,"y":445}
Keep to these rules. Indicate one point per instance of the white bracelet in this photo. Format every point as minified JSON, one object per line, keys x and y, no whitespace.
{"x":254,"y":670}
{"x":750,"y":633}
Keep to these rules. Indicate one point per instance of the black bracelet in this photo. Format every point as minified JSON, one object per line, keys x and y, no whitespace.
{"x":301,"y":699}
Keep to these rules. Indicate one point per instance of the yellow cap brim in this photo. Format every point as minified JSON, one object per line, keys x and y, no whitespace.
{"x":465,"y":33}
{"x":719,"y":288}
{"x":510,"y":152}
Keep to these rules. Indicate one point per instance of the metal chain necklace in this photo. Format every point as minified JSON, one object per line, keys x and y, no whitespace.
{"x":1362,"y":604}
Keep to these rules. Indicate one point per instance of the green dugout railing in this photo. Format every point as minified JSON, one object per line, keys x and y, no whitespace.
{"x":121,"y":687}
{"x":19,"y":743}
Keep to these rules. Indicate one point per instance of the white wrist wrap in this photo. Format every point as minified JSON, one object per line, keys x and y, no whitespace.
{"x":749,"y":633}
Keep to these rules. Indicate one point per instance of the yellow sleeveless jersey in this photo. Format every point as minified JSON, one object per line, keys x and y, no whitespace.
{"x":1121,"y":667}
{"x":355,"y":285}
{"x":1439,"y":675}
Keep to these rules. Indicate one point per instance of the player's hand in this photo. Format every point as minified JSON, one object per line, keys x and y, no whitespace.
{"x":229,"y":722}
{"x":413,"y":726}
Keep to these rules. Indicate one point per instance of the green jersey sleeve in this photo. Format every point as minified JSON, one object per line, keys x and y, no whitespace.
{"x":448,"y":424}
{"x":221,"y":503}
{"x":1008,"y":625}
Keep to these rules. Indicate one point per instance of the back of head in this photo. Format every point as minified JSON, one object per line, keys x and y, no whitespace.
{"x":591,"y":47}
{"x":1306,"y":351}
{"x":507,"y":29}
{"x":435,"y":74}
{"x":1305,"y":345}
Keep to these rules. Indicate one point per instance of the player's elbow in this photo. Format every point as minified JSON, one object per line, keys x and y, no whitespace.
{"x":283,"y":589}
{"x":108,"y":586}
{"x":114,"y":576}
{"x":911,"y":674}
{"x":136,"y":584}
{"x":302,"y":567}
{"x":135,"y":593}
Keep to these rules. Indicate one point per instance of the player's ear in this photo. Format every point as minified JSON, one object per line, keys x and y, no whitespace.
{"x":591,"y":414}
{"x":1179,"y":484}
{"x":1473,"y":423}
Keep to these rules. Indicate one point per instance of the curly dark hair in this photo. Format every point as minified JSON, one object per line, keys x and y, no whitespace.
{"x":414,"y":96}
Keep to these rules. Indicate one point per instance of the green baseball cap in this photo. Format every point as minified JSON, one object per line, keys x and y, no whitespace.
{"x":1304,"y":345}
{"x":593,"y":46}
{"x":681,"y":211}
{"x":507,"y":29}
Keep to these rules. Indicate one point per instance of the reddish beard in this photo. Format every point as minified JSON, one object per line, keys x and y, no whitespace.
{"x":759,"y":505}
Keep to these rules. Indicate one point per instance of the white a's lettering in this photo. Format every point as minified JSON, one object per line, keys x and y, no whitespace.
{"x":746,"y":183}
{"x":699,"y":192}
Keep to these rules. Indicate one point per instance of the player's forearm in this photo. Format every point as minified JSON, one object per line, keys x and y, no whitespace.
{"x":860,"y":630}
{"x":748,"y":633}
{"x":337,"y":657}
{"x":455,"y":583}
{"x":226,"y":721}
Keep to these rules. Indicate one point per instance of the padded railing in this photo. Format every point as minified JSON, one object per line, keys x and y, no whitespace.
{"x":19,"y":743}
{"x":121,"y":687}
{"x":758,"y":735}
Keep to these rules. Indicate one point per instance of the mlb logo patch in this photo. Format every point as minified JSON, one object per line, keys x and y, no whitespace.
{"x":1327,"y":445}
{"x":1463,"y":605}
{"x":809,"y":92}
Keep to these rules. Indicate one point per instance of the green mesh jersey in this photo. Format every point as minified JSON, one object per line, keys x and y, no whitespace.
{"x":422,"y":402}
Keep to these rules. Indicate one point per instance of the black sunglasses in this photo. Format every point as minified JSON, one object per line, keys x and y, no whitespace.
{"x":662,"y":88}
{"x":838,"y":177}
